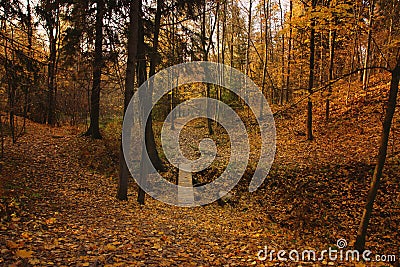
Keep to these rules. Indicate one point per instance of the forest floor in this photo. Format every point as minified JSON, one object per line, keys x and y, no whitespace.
{"x":58,"y":204}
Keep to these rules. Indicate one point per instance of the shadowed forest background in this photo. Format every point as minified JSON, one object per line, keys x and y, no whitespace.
{"x":330,"y":70}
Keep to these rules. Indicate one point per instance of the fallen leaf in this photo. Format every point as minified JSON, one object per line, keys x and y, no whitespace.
{"x":34,"y":261}
{"x":111,"y":247}
{"x":24,"y":254}
{"x":25,"y":235}
{"x":12,"y":245}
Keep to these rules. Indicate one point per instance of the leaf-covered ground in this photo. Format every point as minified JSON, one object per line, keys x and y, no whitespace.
{"x":58,"y":204}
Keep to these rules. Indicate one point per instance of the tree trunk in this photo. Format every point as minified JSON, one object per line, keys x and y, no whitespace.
{"x":171,"y":76}
{"x":10,"y":85}
{"x":205,"y":58}
{"x":154,"y":55}
{"x":354,"y":55}
{"x":289,"y":95}
{"x":31,"y":71}
{"x":219,"y":77}
{"x":390,"y":31}
{"x":362,"y":230}
{"x":332,"y":40}
{"x":129,"y":91}
{"x":51,"y":82}
{"x":142,"y":77}
{"x":310,"y":136}
{"x":221,"y":57}
{"x":249,"y":30}
{"x":232,"y":52}
{"x":283,"y":87}
{"x":321,"y":60}
{"x":271,"y":37}
{"x":150,"y":148}
{"x":223,"y":44}
{"x":2,"y":138}
{"x":51,"y":71}
{"x":368,"y":52}
{"x":94,"y":128}
{"x":265,"y":63}
{"x":150,"y":142}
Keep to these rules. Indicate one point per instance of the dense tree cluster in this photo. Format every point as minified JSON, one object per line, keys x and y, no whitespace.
{"x":51,"y":61}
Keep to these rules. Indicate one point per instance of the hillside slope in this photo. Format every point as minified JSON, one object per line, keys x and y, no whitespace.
{"x":58,"y":203}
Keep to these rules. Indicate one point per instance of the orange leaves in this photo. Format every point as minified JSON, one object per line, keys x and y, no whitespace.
{"x":24,"y":254}
{"x":26,"y":235}
{"x":51,"y":221}
{"x":308,"y":200}
{"x":12,"y":245}
{"x":110,"y":247}
{"x":19,"y":249}
{"x":137,"y":253}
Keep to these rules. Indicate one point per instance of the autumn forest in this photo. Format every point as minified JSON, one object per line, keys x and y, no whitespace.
{"x":294,"y":159}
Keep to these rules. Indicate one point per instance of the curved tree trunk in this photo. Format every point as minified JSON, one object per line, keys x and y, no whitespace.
{"x":150,"y":142}
{"x":362,"y":230}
